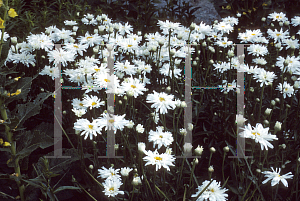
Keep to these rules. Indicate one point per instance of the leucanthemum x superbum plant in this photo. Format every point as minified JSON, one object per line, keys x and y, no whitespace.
{"x":149,"y":100}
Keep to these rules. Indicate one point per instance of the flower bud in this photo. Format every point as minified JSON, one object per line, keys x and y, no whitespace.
{"x":116,"y":146}
{"x":204,"y":44}
{"x":212,"y":150}
{"x":183,"y":104}
{"x":211,"y":169}
{"x":192,"y":26}
{"x":91,"y":167}
{"x":266,"y":122}
{"x":194,"y":63}
{"x":141,"y":147}
{"x":281,"y":24}
{"x":277,"y":100}
{"x":211,"y":61}
{"x":263,"y":19}
{"x":268,"y":111}
{"x":258,"y":170}
{"x":187,"y":147}
{"x":277,"y":126}
{"x":14,"y":40}
{"x":257,"y":100}
{"x":238,"y":14}
{"x":172,"y":52}
{"x":226,"y":149}
{"x":272,"y":25}
{"x":273,"y":102}
{"x":199,"y":150}
{"x":251,"y":89}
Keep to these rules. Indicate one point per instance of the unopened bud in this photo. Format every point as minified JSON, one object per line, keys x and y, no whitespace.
{"x":226,"y":149}
{"x":268,"y":111}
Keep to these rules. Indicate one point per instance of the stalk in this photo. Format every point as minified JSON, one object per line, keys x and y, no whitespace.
{"x":3,"y":29}
{"x":12,"y":149}
{"x":261,"y":97}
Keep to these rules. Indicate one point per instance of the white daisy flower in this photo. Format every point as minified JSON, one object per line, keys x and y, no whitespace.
{"x":286,"y":89}
{"x":88,"y":128}
{"x":160,"y":138}
{"x":260,"y":135}
{"x":111,"y":187}
{"x":92,"y":102}
{"x":110,"y":173}
{"x":159,"y":160}
{"x":276,"y":177}
{"x":161,"y":101}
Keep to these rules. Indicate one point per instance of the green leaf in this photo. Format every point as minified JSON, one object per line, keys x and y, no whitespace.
{"x":32,"y":141}
{"x":5,"y":50}
{"x":61,"y":188}
{"x":25,"y":111}
{"x":58,"y":165}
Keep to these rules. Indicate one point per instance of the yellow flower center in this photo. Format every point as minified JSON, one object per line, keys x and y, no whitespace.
{"x":132,"y":86}
{"x":97,"y":69}
{"x":111,"y":189}
{"x":254,"y":133}
{"x":285,"y":89}
{"x":278,"y":34}
{"x":157,"y":158}
{"x":91,"y":126}
{"x":129,"y":45}
{"x":277,"y":16}
{"x":81,"y":104}
{"x":224,"y":43}
{"x":160,"y":136}
{"x":106,"y":80}
{"x":76,"y":46}
{"x":111,"y":121}
{"x":212,"y":190}
{"x":89,"y":37}
{"x":161,"y":99}
{"x":93,"y":103}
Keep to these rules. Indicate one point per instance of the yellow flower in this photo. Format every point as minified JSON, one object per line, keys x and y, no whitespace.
{"x":1,"y":23}
{"x":18,"y":92}
{"x":12,"y":13}
{"x":6,"y":144}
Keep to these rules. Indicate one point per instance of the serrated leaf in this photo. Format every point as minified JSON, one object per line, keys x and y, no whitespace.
{"x":25,"y":111}
{"x":33,"y":141}
{"x":65,"y":188}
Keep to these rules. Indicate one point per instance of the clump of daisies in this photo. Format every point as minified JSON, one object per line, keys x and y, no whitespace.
{"x":112,"y":181}
{"x":213,"y":191}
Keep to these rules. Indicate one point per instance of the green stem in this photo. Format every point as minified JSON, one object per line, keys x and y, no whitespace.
{"x":12,"y":149}
{"x":261,"y":97}
{"x":3,"y":29}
